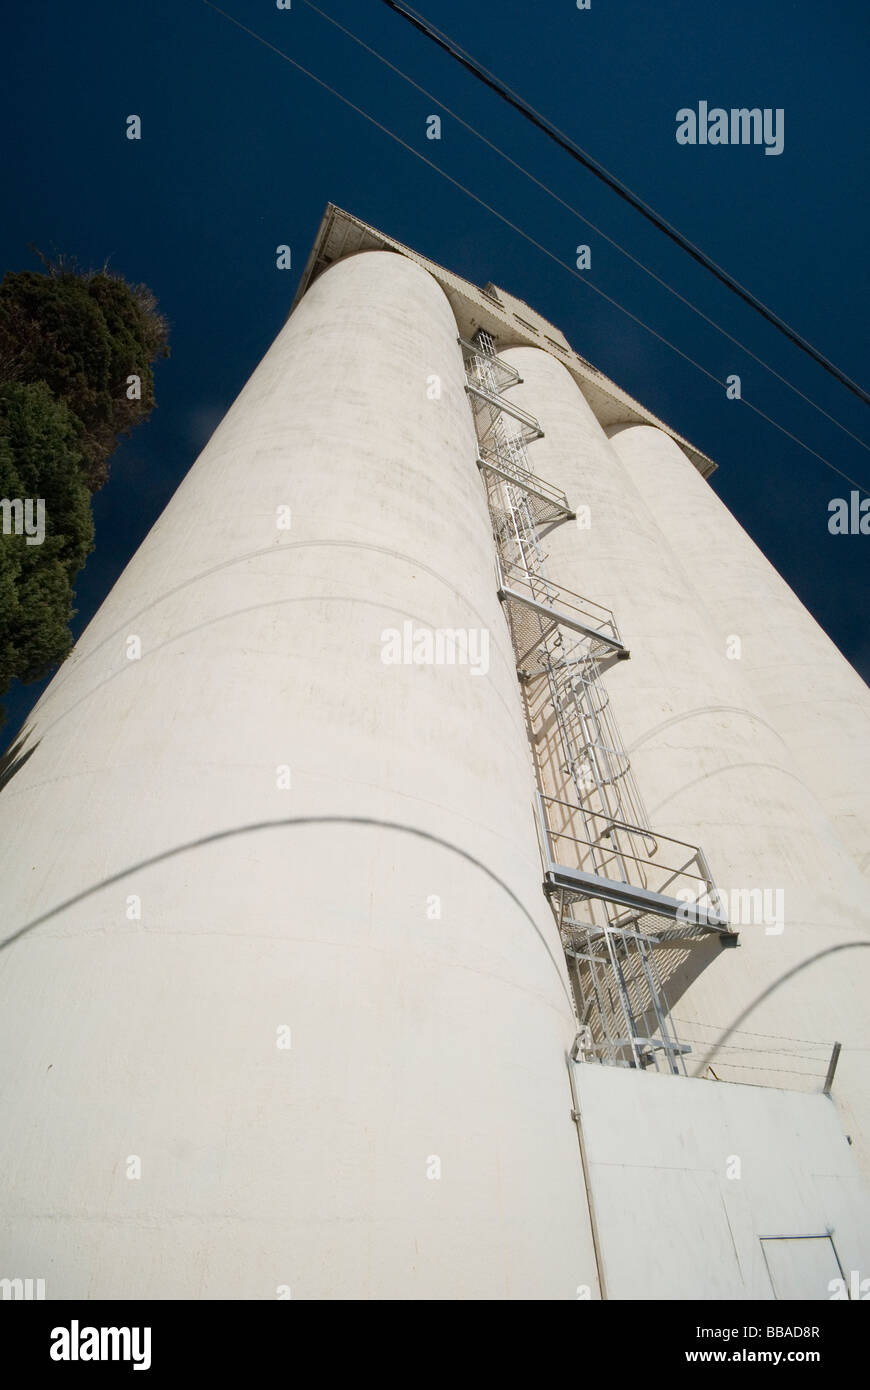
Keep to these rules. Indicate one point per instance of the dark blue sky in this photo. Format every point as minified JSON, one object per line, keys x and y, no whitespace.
{"x":241,"y":152}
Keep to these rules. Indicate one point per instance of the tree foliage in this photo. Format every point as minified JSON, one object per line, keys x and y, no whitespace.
{"x":69,"y":342}
{"x":84,"y":335}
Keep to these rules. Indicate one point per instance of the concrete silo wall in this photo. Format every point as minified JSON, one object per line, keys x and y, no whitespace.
{"x":334,"y":1035}
{"x":817,"y":701}
{"x":713,"y":766}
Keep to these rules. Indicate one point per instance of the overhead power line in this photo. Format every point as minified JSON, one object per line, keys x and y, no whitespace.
{"x":466,"y":125}
{"x":519,"y":231}
{"x":621,"y":189}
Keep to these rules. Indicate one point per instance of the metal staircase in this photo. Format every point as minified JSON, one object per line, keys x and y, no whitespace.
{"x":621,"y":893}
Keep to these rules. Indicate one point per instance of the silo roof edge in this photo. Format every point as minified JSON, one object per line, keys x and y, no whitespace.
{"x":341,"y":234}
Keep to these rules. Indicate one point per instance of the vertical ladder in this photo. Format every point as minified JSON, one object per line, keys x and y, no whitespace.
{"x":561,"y":639}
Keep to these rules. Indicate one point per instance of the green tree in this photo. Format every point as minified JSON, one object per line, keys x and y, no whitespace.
{"x":84,"y":335}
{"x":40,"y":457}
{"x":69,"y":342}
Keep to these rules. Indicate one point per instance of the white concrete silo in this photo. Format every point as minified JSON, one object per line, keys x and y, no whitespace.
{"x":816,"y":700}
{"x":335,"y":1036}
{"x":327,"y":1058}
{"x":712,"y":764}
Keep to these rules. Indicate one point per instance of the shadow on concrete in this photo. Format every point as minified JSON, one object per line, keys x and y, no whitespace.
{"x":219,"y":835}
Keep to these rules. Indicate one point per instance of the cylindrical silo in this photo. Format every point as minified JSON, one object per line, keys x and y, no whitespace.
{"x":814,"y":698}
{"x":283,"y":1011}
{"x":714,"y":770}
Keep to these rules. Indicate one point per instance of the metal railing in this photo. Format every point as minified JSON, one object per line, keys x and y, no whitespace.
{"x":559,"y":604}
{"x":633,"y":887}
{"x":594,"y":855}
{"x":488,"y":404}
{"x":489,"y":371}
